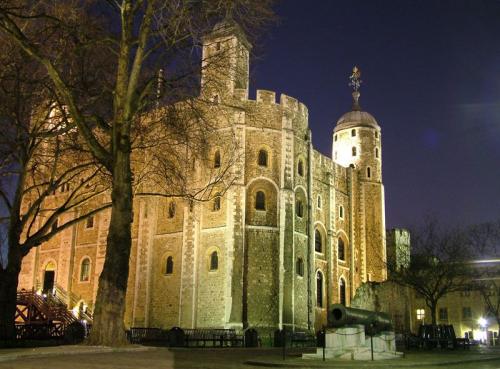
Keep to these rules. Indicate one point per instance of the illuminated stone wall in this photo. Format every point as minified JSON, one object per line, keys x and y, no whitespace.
{"x":257,"y":281}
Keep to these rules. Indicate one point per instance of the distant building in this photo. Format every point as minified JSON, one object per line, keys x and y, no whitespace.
{"x":398,"y":247}
{"x":465,"y":310}
{"x":295,"y":233}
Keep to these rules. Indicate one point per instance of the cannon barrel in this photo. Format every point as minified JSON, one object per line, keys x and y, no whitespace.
{"x":340,"y":316}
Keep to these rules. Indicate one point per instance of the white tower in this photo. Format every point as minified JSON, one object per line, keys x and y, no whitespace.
{"x":357,"y":144}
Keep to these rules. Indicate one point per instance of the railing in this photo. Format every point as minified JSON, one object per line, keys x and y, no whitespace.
{"x":68,"y":299}
{"x":51,"y":307}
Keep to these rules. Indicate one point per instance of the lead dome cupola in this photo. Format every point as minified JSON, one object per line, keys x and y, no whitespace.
{"x":356,"y":117}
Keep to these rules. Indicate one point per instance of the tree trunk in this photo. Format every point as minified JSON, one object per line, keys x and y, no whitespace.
{"x":433,"y":307}
{"x":108,"y":326}
{"x":9,"y":278}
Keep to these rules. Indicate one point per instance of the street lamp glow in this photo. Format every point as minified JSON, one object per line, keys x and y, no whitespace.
{"x":482,"y":322}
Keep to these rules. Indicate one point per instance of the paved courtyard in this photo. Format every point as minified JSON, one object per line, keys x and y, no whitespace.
{"x":137,"y":357}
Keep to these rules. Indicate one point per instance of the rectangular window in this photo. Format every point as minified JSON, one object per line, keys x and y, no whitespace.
{"x":466,"y":312}
{"x":443,"y":313}
{"x":420,"y":314}
{"x":90,"y":222}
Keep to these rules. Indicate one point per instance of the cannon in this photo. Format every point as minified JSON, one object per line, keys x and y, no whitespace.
{"x":341,"y":316}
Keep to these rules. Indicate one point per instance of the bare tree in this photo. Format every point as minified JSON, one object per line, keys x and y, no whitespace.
{"x":488,"y":284}
{"x":439,"y":264}
{"x":136,"y":38}
{"x":484,"y":242}
{"x":38,"y":157}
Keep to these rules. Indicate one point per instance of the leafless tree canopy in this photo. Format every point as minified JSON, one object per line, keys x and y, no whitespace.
{"x":44,"y":174}
{"x":484,"y":241}
{"x":439,"y":263}
{"x":103,"y":61}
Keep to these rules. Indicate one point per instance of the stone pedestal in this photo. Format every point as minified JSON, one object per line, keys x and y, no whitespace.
{"x":351,"y":343}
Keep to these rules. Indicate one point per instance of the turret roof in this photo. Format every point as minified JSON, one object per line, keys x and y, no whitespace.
{"x":226,"y":27}
{"x":356,"y":117}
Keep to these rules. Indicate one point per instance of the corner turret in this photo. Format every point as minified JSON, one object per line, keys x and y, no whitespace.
{"x":225,"y":61}
{"x":357,"y":138}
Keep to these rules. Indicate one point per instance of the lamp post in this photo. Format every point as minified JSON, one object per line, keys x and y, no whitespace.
{"x":483,"y":323}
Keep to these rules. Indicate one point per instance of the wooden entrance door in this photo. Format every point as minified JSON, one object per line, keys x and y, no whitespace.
{"x":48,"y":281}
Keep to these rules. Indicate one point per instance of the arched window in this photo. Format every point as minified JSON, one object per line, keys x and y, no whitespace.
{"x":335,"y":138}
{"x":262,"y":159}
{"x":216,"y":203}
{"x":376,"y":134}
{"x":300,"y":168}
{"x":341,"y":249}
{"x":318,"y":247}
{"x":85,"y":270}
{"x":342,"y":291}
{"x":376,"y":152}
{"x":299,"y":267}
{"x":260,"y":201}
{"x":353,"y":133}
{"x":341,"y":212}
{"x":368,"y":172}
{"x":169,"y":265}
{"x":319,"y":202}
{"x":217,"y":159}
{"x":299,"y":208}
{"x":354,"y":151}
{"x":319,"y":289}
{"x":214,"y":261}
{"x":171,"y":209}
{"x":90,"y":222}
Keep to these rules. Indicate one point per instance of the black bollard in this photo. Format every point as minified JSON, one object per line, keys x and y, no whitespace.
{"x":324,"y":344}
{"x":283,"y":338}
{"x":371,"y":344}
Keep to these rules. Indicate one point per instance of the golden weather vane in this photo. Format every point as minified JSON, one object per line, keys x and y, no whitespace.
{"x":355,"y":79}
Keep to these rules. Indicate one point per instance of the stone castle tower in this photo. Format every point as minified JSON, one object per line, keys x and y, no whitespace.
{"x":296,"y":232}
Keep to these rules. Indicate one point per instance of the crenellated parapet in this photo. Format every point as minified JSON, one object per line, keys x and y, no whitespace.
{"x":269,"y":112}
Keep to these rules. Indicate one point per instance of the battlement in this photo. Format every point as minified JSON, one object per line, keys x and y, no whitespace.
{"x":266,"y":97}
{"x":293,"y":104}
{"x":241,"y":94}
{"x":269,"y":97}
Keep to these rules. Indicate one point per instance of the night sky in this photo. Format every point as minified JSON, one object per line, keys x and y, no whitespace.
{"x":431,"y":72}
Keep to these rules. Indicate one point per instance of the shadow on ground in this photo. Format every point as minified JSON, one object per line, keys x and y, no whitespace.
{"x":138,"y":357}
